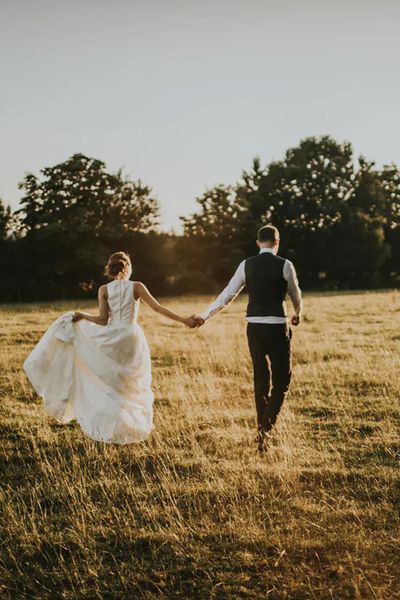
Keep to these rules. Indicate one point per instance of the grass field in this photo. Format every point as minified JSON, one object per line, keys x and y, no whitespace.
{"x":194,"y":512}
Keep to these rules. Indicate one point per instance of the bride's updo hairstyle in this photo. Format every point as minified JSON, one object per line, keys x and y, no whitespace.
{"x":119,"y":266}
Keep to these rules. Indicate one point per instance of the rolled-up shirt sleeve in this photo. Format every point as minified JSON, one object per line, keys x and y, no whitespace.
{"x":233,"y":288}
{"x":293,"y":288}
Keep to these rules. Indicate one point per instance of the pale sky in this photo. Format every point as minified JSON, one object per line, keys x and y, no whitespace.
{"x":184,"y":93}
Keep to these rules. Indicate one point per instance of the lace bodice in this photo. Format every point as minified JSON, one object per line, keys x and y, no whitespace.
{"x":121,"y":300}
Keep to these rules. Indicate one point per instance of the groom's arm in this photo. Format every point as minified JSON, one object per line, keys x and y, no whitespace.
{"x":294,"y":291}
{"x":228,"y":294}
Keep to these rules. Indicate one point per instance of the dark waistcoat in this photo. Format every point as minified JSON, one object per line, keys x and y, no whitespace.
{"x":266,"y":285}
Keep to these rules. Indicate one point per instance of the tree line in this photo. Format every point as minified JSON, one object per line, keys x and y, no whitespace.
{"x":339,"y":219}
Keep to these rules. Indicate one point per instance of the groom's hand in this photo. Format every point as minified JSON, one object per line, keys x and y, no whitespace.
{"x":296,"y":320}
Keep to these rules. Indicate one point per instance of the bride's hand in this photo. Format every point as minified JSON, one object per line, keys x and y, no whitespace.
{"x":77,"y":317}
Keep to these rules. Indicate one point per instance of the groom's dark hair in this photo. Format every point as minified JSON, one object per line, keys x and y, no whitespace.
{"x":268,"y":233}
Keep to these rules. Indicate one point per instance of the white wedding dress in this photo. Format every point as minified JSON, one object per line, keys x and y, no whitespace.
{"x":98,"y":375}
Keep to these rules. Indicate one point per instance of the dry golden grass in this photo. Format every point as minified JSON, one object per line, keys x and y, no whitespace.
{"x":194,"y":512}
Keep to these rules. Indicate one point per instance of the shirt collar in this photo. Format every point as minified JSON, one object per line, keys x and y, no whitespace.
{"x":270,"y":250}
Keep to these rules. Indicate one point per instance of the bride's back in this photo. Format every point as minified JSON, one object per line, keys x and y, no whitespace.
{"x":121,"y":301}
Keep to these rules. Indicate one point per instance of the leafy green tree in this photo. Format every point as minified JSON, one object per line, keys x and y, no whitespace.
{"x":73,"y":216}
{"x":339,"y":222}
{"x":217,"y":216}
{"x":5,"y":220}
{"x":97,"y":202}
{"x":358,"y":243}
{"x":9,"y":255}
{"x":328,"y":211}
{"x":208,"y":247}
{"x":390,"y":182}
{"x":304,"y":195}
{"x":359,"y":250}
{"x":307,"y":188}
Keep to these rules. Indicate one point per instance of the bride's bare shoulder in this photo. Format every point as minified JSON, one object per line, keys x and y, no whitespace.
{"x":138,"y":288}
{"x":103,"y":290}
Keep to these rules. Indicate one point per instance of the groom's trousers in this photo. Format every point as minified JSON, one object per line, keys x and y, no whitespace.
{"x":271,"y":356}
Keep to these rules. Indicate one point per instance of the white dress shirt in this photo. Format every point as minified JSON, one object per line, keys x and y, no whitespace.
{"x":237,"y":283}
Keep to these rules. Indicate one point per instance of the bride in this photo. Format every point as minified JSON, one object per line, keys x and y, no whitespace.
{"x":96,"y":368}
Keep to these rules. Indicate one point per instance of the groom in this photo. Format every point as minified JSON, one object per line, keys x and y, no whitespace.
{"x":268,"y":277}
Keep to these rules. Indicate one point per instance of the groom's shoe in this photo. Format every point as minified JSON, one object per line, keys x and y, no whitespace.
{"x":262,"y":442}
{"x":262,"y":447}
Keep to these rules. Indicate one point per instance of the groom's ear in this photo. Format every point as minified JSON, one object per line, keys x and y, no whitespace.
{"x":258,"y":243}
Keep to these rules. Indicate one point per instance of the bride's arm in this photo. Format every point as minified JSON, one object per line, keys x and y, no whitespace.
{"x":102,"y":317}
{"x":143,"y":293}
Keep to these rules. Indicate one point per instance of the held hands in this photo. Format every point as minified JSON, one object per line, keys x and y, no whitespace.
{"x":194,"y":321}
